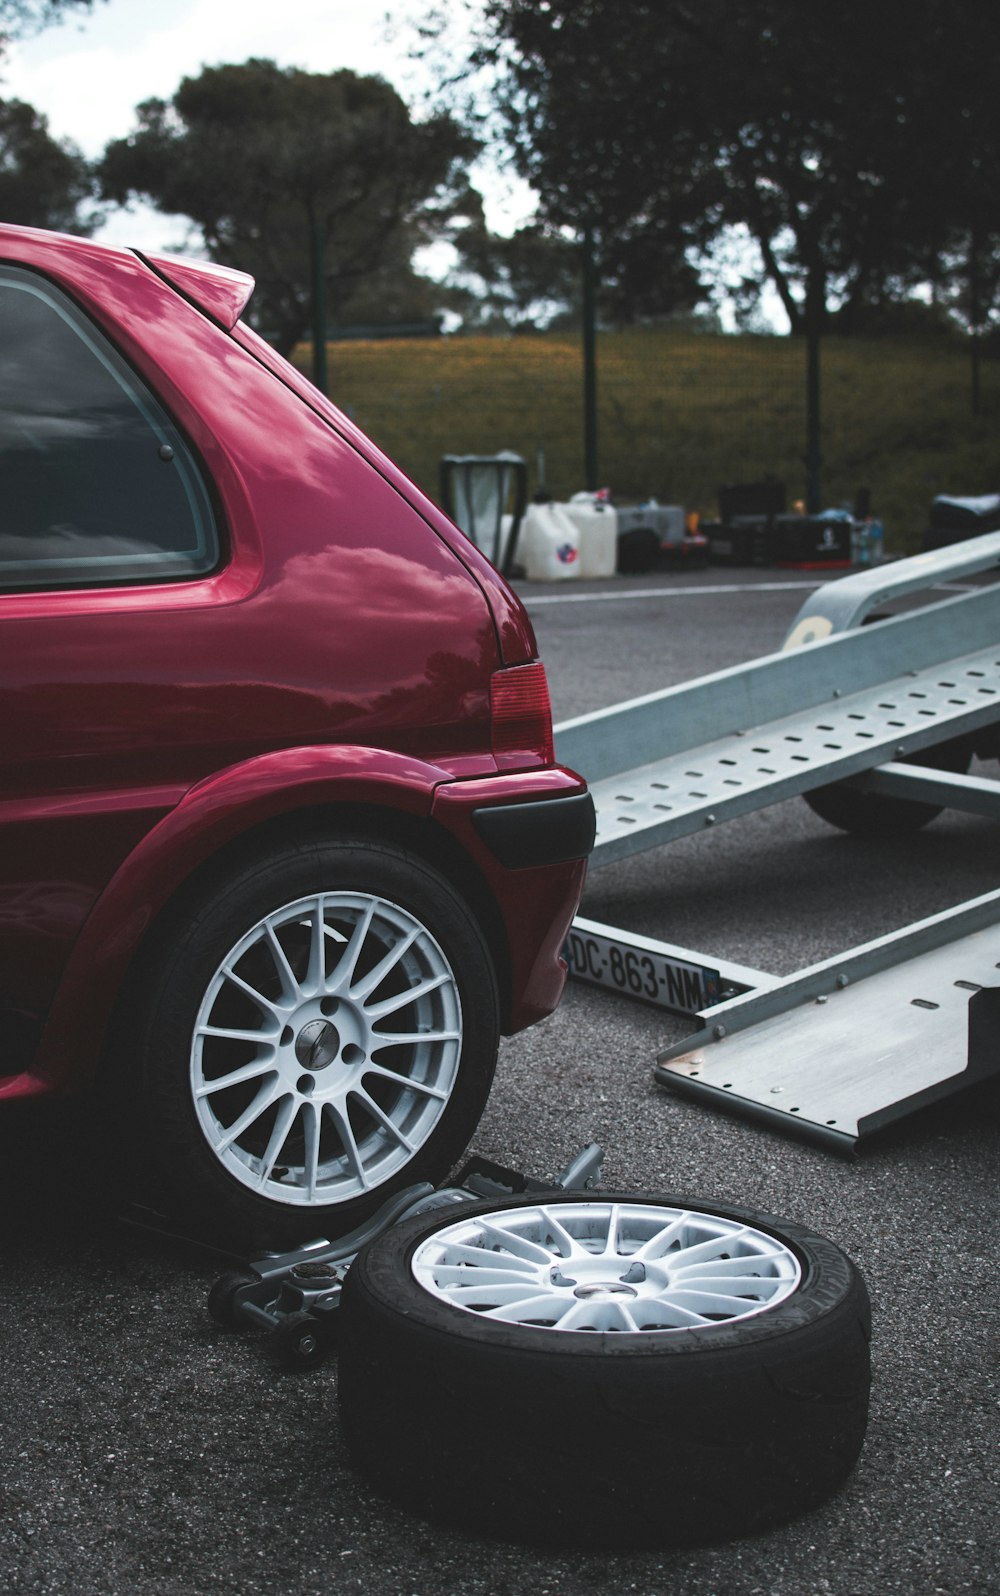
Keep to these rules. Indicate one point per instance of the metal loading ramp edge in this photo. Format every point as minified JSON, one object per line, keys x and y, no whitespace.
{"x":658,"y":767}
{"x":669,"y":798}
{"x":849,"y":706}
{"x":849,"y":1062}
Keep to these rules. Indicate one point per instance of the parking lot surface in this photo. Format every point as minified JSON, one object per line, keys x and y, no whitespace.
{"x":143,"y":1449}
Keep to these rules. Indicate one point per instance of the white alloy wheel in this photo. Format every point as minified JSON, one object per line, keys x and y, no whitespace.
{"x":326,"y":1048}
{"x":601,"y":1266}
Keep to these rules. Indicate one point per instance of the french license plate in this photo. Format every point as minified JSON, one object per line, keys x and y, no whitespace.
{"x":642,"y":973}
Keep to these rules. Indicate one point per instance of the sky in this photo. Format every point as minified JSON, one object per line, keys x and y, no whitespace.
{"x":87,"y":75}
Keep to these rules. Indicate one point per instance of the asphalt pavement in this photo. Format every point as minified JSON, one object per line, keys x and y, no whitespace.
{"x":143,"y":1449}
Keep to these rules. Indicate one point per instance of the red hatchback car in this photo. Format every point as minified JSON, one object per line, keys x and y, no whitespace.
{"x":283,"y":844}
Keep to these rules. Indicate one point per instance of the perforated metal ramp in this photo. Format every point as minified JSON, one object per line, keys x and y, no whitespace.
{"x":671,"y":797}
{"x":850,"y":704}
{"x":792,"y":721}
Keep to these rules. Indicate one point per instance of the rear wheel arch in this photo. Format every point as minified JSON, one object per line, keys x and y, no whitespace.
{"x":180,"y":859}
{"x":328,"y":822}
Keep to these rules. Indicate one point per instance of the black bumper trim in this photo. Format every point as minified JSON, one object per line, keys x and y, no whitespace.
{"x":545,"y":832}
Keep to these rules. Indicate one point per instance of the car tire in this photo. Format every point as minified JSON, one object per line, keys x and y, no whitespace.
{"x":322,"y":1030}
{"x":869,"y":814}
{"x":638,"y":1424}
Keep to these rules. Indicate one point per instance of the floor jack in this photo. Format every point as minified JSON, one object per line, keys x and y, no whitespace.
{"x":295,"y":1295}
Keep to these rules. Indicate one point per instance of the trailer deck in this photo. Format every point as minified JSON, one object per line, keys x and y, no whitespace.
{"x":842,"y":701}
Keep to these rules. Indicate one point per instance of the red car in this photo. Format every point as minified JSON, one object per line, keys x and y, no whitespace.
{"x":283,"y":844}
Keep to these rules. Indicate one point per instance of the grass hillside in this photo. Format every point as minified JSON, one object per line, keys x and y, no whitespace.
{"x":682,"y":413}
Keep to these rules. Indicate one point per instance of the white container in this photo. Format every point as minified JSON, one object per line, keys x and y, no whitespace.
{"x":597,"y":528}
{"x":548,"y":545}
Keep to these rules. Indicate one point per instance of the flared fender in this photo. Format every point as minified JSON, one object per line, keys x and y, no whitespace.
{"x":211,"y":814}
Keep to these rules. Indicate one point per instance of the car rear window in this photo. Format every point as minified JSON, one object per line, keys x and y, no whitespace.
{"x":97,"y":485}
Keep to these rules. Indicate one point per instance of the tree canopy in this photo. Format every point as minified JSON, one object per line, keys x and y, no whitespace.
{"x":22,"y":15}
{"x":19,"y":17}
{"x":532,"y":277}
{"x":840,"y":136}
{"x":43,"y":182}
{"x":269,"y":161}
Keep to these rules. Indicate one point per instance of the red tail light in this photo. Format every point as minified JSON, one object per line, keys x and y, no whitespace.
{"x":522,"y":717}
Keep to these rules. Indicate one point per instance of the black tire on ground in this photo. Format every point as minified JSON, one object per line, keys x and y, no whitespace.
{"x":591,"y":1437}
{"x":869,"y":814}
{"x":322,"y":1120}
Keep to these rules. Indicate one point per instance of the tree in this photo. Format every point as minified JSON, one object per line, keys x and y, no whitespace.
{"x":20,"y":17}
{"x":831,"y":132}
{"x":532,"y":278}
{"x":43,"y":183}
{"x":526,"y":281}
{"x":812,"y":125}
{"x":582,"y":112}
{"x":958,"y":188}
{"x":310,"y":181}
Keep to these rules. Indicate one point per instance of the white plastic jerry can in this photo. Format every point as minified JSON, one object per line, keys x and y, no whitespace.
{"x":597,"y":528}
{"x":548,"y":544}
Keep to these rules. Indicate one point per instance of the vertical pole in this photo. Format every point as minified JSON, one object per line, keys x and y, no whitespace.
{"x":589,"y":361}
{"x":316,"y":255}
{"x":815,"y":306}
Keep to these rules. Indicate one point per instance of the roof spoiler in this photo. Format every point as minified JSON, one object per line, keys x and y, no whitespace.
{"x":220,"y":291}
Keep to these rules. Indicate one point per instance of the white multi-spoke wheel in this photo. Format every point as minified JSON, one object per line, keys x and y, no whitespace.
{"x":322,"y":1033}
{"x":326,"y":1048}
{"x":619,"y":1267}
{"x":603,"y":1370}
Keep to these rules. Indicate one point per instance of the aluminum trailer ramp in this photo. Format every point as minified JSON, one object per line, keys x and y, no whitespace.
{"x":852,"y":704}
{"x":862,"y":1042}
{"x":673,"y":762}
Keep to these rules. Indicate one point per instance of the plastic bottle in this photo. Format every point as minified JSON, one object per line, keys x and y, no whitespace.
{"x":876,"y":541}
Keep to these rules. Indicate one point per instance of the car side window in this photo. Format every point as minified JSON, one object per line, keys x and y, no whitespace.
{"x":97,"y":486}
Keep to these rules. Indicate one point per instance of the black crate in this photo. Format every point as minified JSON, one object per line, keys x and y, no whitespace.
{"x":810,"y":542}
{"x":746,"y":540}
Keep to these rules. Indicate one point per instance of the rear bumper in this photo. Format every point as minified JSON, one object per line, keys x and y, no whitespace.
{"x":530,"y":834}
{"x":540,"y":832}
